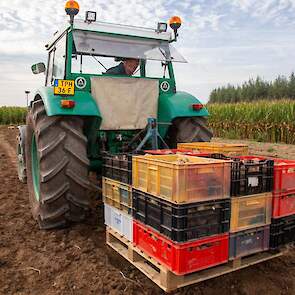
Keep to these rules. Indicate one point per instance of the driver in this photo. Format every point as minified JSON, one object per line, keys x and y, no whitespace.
{"x":126,"y":68}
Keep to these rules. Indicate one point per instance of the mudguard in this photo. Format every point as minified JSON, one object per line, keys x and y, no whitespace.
{"x":177,"y":105}
{"x":85,"y":104}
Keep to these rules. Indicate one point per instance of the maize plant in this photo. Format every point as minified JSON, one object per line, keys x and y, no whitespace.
{"x":269,"y":121}
{"x":12,"y":115}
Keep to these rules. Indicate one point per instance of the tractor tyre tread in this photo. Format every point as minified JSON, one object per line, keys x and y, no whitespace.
{"x":186,"y":130}
{"x":64,"y":184}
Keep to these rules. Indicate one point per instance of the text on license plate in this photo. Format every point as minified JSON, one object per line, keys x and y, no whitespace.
{"x":64,"y":87}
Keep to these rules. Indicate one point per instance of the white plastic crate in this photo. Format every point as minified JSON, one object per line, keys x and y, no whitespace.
{"x":119,"y":221}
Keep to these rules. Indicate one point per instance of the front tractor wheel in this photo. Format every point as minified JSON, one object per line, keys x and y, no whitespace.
{"x":186,"y":130}
{"x":57,"y":168}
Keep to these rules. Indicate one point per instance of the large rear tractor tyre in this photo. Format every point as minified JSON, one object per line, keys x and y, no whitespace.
{"x":57,"y":168}
{"x":185,"y":130}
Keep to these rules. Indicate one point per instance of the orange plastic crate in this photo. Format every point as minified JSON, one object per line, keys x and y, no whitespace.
{"x":182,"y":179}
{"x":216,"y":147}
{"x":250,"y":211}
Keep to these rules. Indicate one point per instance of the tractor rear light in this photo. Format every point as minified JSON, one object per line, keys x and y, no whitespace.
{"x":67,"y":104}
{"x":197,"y":106}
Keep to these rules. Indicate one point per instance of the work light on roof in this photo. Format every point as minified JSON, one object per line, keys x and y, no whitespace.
{"x":162,"y":27}
{"x":90,"y":16}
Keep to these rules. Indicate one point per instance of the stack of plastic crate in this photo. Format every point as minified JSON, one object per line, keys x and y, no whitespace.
{"x":251,"y":197}
{"x":282,"y":229}
{"x":117,"y":193}
{"x":283,"y":214}
{"x":251,"y":205}
{"x":181,"y":210}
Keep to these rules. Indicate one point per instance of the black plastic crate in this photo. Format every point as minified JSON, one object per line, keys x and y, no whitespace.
{"x":117,"y":167}
{"x":282,"y":231}
{"x":182,"y":223}
{"x":248,"y":176}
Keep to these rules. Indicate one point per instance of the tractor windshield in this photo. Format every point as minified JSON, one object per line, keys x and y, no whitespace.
{"x":90,"y":43}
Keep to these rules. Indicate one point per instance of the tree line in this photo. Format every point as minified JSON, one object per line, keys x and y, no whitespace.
{"x":256,"y":89}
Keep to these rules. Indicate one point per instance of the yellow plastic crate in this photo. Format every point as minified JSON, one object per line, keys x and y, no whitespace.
{"x":250,"y":211}
{"x":117,"y":194}
{"x":182,"y":179}
{"x":216,"y":147}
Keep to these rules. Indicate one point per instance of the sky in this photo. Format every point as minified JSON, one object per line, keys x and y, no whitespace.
{"x":224,"y":41}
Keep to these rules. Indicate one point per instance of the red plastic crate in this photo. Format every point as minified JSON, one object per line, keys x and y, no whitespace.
{"x":283,"y":204}
{"x":284,"y":174}
{"x":182,"y":258}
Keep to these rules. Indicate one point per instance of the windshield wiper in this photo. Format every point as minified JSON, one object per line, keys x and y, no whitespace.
{"x":99,"y":62}
{"x":165,"y":53}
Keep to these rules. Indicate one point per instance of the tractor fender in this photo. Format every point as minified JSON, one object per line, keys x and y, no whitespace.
{"x":85,"y":105}
{"x":179,"y":104}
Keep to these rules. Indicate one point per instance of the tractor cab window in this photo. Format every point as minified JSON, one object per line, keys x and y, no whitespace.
{"x":95,"y":48}
{"x":156,"y":69}
{"x":60,"y":59}
{"x":56,"y":62}
{"x":49,"y":68}
{"x":95,"y":65}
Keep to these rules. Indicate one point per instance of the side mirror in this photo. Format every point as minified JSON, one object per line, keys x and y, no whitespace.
{"x":38,"y":68}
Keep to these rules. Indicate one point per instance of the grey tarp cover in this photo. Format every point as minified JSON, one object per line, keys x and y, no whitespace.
{"x":125,"y":103}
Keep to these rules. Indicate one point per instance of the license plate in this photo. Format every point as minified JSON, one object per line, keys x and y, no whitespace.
{"x":64,"y":87}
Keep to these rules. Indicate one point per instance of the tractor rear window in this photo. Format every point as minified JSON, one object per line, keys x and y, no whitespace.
{"x":96,"y":65}
{"x":100,"y":45}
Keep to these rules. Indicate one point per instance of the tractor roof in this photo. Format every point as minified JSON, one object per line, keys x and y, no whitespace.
{"x":113,"y":29}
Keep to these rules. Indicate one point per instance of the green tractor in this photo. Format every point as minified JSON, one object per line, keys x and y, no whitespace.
{"x":82,"y":111}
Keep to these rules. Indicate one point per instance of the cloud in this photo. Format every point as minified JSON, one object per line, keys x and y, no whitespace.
{"x":279,"y":12}
{"x":224,"y":40}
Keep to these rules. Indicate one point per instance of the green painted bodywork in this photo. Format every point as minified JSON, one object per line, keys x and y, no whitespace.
{"x":177,"y":105}
{"x":85,"y":104}
{"x":35,"y":169}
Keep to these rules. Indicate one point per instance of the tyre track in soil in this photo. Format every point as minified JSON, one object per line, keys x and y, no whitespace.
{"x":76,"y":261}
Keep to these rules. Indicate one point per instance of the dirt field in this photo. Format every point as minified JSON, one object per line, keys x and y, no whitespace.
{"x":77,"y":262}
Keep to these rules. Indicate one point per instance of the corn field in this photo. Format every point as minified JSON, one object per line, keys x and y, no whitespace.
{"x":268,"y":121}
{"x":272,"y":121}
{"x":12,"y":115}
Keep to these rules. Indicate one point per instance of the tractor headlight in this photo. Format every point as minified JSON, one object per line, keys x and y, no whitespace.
{"x":90,"y":16}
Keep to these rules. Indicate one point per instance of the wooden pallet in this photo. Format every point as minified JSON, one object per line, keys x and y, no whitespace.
{"x":167,"y":280}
